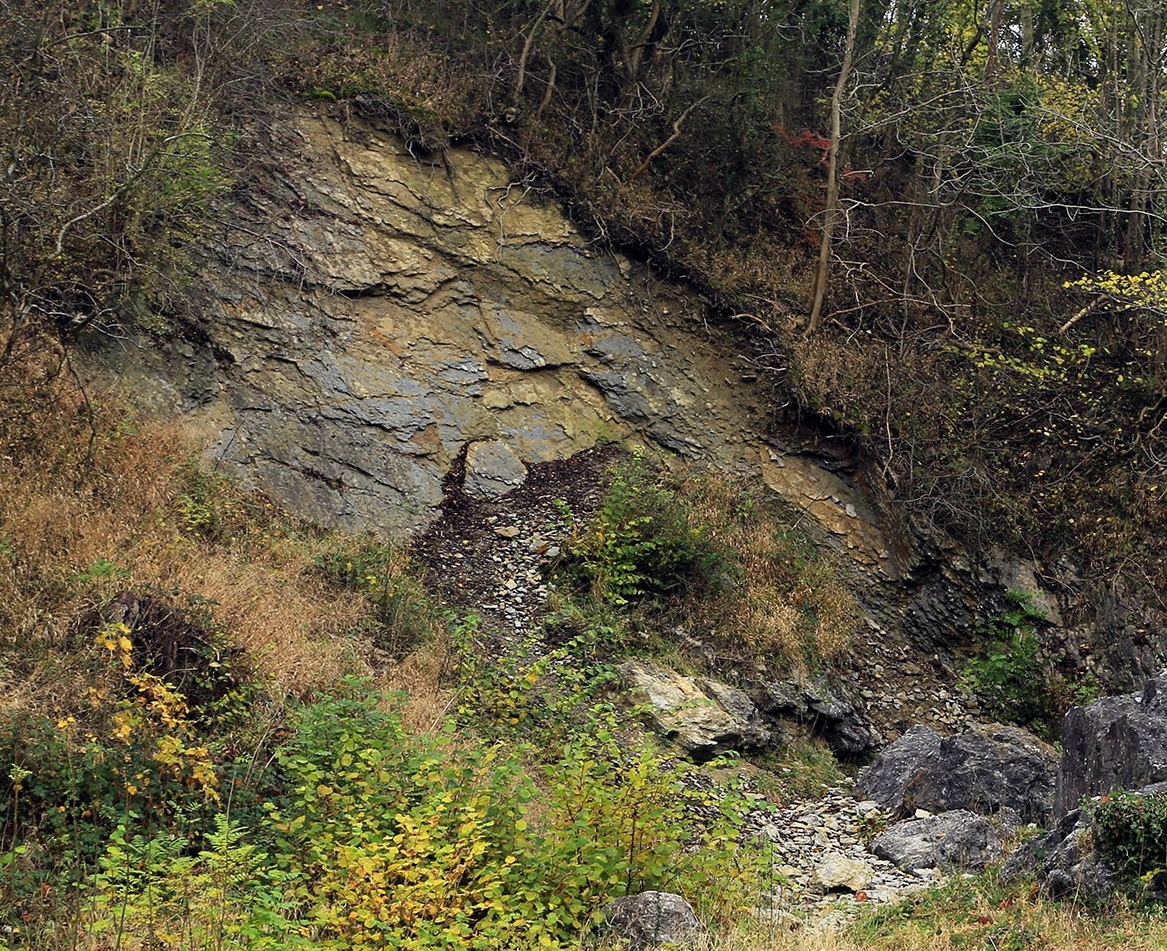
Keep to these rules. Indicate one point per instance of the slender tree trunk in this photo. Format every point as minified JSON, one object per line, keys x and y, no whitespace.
{"x":832,"y":205}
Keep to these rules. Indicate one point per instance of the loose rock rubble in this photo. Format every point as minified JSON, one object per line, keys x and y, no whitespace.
{"x":492,"y":555}
{"x":822,"y":861}
{"x":894,"y":687}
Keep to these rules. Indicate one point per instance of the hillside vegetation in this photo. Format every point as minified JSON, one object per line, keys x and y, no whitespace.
{"x":992,"y":326}
{"x":222,"y":727}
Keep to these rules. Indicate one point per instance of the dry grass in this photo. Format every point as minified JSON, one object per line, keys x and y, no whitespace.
{"x":92,"y":501}
{"x":975,"y":915}
{"x":785,"y":603}
{"x":421,"y":677}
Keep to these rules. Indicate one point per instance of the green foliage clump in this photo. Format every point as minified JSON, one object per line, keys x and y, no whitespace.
{"x":641,"y":544}
{"x":1132,"y":836}
{"x":211,"y":507}
{"x":1009,"y":674}
{"x":1015,"y":679}
{"x":163,"y":889}
{"x":388,"y":840}
{"x":69,"y":784}
{"x":532,"y":692}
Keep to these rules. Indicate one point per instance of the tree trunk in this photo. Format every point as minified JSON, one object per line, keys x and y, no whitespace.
{"x":832,"y":203}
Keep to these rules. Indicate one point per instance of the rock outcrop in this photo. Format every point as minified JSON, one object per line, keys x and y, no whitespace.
{"x":957,"y":839}
{"x":652,"y":919}
{"x":703,"y":717}
{"x":987,"y":770}
{"x":1065,"y":860}
{"x":1114,"y":743}
{"x":818,"y":706}
{"x":368,"y":316}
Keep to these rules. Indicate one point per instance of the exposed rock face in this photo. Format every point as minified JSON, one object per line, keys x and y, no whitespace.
{"x":651,"y":919}
{"x":370,"y":316}
{"x":1114,"y":743}
{"x":702,"y":717}
{"x":1064,"y":860}
{"x":492,"y":470}
{"x":817,"y":705}
{"x":986,"y":770}
{"x":954,"y":839}
{"x":888,"y":779}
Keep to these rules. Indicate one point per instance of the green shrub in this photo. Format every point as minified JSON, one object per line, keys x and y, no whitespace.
{"x":388,"y":840}
{"x":641,"y":544}
{"x":1132,"y":836}
{"x":532,"y":692}
{"x":1012,"y":678}
{"x":69,"y":785}
{"x":156,"y":891}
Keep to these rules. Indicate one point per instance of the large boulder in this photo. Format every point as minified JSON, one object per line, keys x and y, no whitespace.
{"x":989,"y":770}
{"x":1114,"y":743}
{"x":703,"y":717}
{"x":651,"y":919}
{"x":958,"y":839}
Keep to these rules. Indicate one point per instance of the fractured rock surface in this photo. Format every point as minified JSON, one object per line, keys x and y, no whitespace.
{"x":987,"y":769}
{"x":1114,"y":743}
{"x":954,"y":839}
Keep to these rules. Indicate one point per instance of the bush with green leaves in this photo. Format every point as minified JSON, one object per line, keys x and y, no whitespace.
{"x":69,"y":785}
{"x":1132,"y":836}
{"x":388,"y":840}
{"x":533,"y":692}
{"x":1012,"y":678}
{"x":159,"y":891}
{"x":641,"y":544}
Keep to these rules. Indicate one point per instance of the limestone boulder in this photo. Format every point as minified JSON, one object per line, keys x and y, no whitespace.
{"x":703,"y":717}
{"x":492,"y":470}
{"x":987,"y":769}
{"x":652,"y":919}
{"x":1064,"y":860}
{"x":957,"y":839}
{"x":1114,"y":743}
{"x":841,"y":872}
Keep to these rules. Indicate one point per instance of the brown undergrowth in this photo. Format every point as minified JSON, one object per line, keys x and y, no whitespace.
{"x":782,"y":601}
{"x":95,"y":500}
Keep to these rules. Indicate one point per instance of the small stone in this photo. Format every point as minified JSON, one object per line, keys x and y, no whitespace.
{"x":839,"y":871}
{"x":508,"y":531}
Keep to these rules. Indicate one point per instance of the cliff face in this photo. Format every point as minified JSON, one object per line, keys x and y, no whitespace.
{"x":375,"y":319}
{"x":373,"y":315}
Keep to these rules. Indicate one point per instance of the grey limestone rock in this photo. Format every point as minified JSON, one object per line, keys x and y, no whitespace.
{"x":703,"y":718}
{"x":492,"y":470}
{"x":1114,"y":743}
{"x":1064,"y":860}
{"x":651,"y":919}
{"x":818,"y":706}
{"x":986,"y":769}
{"x":955,"y":839}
